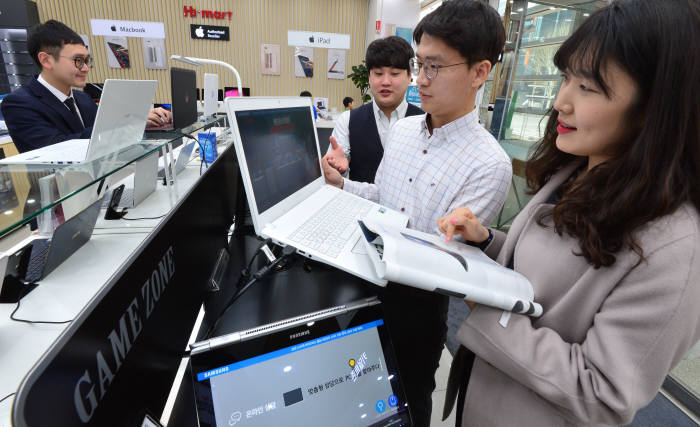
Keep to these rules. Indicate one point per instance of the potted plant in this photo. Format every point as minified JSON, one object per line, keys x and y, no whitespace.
{"x":360,"y":78}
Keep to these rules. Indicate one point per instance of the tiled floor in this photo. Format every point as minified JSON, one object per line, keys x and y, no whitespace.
{"x":439,"y":393}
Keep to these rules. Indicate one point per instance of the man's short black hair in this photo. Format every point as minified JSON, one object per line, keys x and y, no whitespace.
{"x":392,"y":52}
{"x":305,"y":93}
{"x":471,"y":27}
{"x":50,"y":37}
{"x":346,"y":101}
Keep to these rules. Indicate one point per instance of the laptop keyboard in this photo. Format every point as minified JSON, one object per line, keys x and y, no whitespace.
{"x":333,"y":225}
{"x":40,"y":250}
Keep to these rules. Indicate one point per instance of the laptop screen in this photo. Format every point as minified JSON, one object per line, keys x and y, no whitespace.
{"x":280,"y":149}
{"x":336,"y":371}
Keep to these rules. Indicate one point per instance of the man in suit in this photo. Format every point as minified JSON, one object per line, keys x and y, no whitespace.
{"x":46,"y":110}
{"x":362,"y":132}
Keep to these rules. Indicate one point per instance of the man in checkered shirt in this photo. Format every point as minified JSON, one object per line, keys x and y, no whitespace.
{"x":432,"y":164}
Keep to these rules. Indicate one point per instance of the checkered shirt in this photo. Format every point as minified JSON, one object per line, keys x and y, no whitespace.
{"x":427,"y":176}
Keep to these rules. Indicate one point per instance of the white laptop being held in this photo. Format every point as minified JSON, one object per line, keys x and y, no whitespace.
{"x":278,"y":154}
{"x":120,"y":122}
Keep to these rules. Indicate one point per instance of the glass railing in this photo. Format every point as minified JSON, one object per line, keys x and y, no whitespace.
{"x":51,"y":193}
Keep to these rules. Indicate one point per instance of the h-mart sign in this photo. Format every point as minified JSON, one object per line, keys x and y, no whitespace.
{"x":192,"y":12}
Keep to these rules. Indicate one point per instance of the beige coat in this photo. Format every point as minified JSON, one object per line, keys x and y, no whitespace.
{"x":608,"y":336}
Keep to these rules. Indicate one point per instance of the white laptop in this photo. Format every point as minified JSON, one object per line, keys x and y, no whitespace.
{"x":183,"y":157}
{"x":280,"y":162}
{"x":120,"y":122}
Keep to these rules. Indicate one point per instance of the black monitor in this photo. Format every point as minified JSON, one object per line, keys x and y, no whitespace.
{"x":183,"y":86}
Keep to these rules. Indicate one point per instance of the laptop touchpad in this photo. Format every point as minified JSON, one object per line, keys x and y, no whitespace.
{"x":359,"y":247}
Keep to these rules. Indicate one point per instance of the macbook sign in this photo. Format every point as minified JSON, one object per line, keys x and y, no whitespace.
{"x":108,"y":27}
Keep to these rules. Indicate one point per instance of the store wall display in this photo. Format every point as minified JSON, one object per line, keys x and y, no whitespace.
{"x":336,"y":64}
{"x":154,"y":55}
{"x":256,"y":22}
{"x":270,"y":59}
{"x":117,"y":49}
{"x":304,"y":62}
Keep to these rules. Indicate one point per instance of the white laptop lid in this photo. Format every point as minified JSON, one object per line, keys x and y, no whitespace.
{"x":121,"y":115}
{"x":277,"y":148}
{"x":184,"y":157}
{"x":120,"y":122}
{"x":211,"y":94}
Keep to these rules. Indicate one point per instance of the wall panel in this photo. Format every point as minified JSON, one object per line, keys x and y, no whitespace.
{"x":254,"y":22}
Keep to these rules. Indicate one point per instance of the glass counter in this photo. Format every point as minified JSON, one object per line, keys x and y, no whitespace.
{"x":51,"y":193}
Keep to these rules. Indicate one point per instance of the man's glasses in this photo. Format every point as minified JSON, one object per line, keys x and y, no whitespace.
{"x":429,"y":67}
{"x":79,"y":61}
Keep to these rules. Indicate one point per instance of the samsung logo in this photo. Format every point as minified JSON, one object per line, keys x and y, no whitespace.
{"x":299,"y":334}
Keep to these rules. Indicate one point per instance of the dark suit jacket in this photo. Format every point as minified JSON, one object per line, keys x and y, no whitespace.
{"x":35,"y":118}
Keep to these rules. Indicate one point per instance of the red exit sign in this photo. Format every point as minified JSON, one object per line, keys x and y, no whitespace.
{"x":193,"y":13}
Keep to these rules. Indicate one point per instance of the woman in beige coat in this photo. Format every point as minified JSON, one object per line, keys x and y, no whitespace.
{"x":610,"y":240}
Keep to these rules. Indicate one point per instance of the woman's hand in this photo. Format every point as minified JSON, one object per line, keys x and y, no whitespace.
{"x":464,"y":223}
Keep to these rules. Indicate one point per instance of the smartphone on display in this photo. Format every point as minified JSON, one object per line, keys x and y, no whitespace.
{"x":308,"y":69}
{"x":114,"y":201}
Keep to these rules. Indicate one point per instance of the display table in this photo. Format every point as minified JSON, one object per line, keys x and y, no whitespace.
{"x":133,"y":293}
{"x":119,"y":252}
{"x":307,"y":286}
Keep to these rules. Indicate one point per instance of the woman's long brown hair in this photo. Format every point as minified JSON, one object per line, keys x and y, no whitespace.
{"x":657,"y":167}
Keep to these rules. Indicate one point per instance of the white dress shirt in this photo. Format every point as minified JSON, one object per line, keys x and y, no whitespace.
{"x":61,"y":96}
{"x":427,"y":176}
{"x":341,"y":130}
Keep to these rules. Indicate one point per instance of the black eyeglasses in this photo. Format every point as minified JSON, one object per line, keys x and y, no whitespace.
{"x":79,"y":61}
{"x":429,"y":67}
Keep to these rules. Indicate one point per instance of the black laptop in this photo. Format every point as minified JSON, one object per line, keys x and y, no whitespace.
{"x":183,"y":90}
{"x":333,"y":367}
{"x":47,"y":254}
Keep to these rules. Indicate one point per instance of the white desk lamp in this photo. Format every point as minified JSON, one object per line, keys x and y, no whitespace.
{"x":199,"y":61}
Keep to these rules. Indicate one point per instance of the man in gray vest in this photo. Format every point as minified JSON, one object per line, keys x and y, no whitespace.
{"x":362,"y":132}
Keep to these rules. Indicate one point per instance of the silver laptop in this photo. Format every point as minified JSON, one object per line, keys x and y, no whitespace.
{"x":332,"y":367}
{"x":120,"y":122}
{"x":139,"y":185}
{"x":280,"y":162}
{"x":183,"y":158}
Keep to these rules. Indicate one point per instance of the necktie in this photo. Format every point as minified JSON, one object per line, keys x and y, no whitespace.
{"x":71,"y":106}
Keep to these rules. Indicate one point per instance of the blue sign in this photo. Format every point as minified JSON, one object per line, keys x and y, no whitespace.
{"x":413,"y":96}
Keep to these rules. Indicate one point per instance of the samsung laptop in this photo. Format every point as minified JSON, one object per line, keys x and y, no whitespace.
{"x":280,"y":162}
{"x":183,"y":90}
{"x":47,"y":254}
{"x":333,"y":367}
{"x":121,"y":118}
